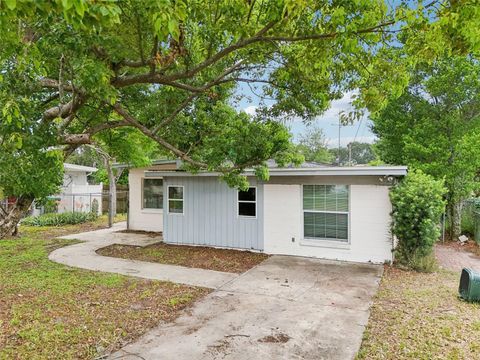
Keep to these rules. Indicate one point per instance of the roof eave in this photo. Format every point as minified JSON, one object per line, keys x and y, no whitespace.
{"x":334,"y":171}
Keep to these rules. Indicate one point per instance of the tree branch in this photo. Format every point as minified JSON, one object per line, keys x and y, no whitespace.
{"x":134,"y":122}
{"x":54,"y":84}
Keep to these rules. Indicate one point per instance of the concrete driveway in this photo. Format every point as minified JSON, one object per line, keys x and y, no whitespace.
{"x":285,"y":308}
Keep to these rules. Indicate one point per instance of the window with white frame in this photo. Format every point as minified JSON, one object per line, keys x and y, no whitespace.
{"x":152,"y":193}
{"x":325,"y":212}
{"x":175,"y":199}
{"x":247,"y":202}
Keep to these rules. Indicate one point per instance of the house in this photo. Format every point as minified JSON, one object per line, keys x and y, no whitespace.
{"x":314,"y":210}
{"x":76,"y":194}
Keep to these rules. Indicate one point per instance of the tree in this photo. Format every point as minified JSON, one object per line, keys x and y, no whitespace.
{"x":435,"y":127}
{"x":73,"y":69}
{"x":125,"y":145}
{"x":313,"y":145}
{"x":354,"y":153}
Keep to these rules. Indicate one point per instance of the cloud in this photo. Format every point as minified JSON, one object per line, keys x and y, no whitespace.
{"x":332,"y":114}
{"x":328,"y":121}
{"x":251,"y":110}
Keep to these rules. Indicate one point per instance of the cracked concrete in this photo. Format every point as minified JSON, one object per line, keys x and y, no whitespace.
{"x":284,"y":308}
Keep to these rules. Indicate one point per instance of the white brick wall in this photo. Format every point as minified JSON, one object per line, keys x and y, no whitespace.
{"x":369,"y":225}
{"x":138,"y":218}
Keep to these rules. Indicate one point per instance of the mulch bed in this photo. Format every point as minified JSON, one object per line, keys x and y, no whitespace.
{"x":226,"y":260}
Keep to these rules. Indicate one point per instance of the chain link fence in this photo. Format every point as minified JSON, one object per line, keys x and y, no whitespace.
{"x":98,"y":203}
{"x":471,"y":218}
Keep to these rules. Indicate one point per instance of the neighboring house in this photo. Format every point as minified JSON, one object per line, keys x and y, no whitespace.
{"x":315,"y":210}
{"x":76,"y":194}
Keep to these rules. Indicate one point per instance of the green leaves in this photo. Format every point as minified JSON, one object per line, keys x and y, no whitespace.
{"x":433,"y":126}
{"x":167,"y":17}
{"x":11,"y":4}
{"x":180,"y":66}
{"x":417,"y":207}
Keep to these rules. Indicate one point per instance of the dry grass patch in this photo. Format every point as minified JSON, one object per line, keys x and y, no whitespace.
{"x":50,"y":311}
{"x":234,"y":261}
{"x":419,"y":316}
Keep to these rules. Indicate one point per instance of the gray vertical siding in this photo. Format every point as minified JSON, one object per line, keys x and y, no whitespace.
{"x":210,"y":215}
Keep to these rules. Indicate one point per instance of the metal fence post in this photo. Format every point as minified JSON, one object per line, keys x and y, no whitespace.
{"x":127,"y":205}
{"x":110,"y":208}
{"x":443,"y":227}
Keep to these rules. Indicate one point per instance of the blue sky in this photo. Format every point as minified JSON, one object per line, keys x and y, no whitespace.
{"x":328,"y":121}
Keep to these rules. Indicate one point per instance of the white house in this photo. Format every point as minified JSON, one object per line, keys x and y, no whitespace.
{"x":76,"y":194}
{"x":315,"y":210}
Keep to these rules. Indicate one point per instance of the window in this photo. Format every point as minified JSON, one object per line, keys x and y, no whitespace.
{"x":325,"y":212}
{"x":247,"y":202}
{"x":152,"y":194}
{"x":175,"y":199}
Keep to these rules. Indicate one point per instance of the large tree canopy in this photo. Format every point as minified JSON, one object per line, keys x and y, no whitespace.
{"x":435,"y":127}
{"x":72,"y":69}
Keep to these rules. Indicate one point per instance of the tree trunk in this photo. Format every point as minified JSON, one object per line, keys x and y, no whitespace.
{"x":455,"y":216}
{"x":112,"y":187}
{"x":9,"y":222}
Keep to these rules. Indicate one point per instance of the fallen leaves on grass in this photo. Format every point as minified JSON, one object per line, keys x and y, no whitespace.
{"x":48,"y":310}
{"x":235,"y":261}
{"x":419,"y":316}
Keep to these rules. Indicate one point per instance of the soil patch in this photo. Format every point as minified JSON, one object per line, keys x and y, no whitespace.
{"x":276,"y":338}
{"x":202,"y":257}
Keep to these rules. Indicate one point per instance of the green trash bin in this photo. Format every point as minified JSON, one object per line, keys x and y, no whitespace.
{"x":469,"y":288}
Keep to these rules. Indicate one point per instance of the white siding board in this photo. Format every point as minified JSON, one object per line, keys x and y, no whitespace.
{"x":210,"y":216}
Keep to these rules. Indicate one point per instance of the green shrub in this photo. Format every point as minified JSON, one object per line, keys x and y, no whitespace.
{"x":67,"y":218}
{"x":417,"y":208}
{"x":50,"y":206}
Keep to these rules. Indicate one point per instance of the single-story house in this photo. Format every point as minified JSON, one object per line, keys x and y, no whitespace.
{"x":314,"y":210}
{"x":76,"y":193}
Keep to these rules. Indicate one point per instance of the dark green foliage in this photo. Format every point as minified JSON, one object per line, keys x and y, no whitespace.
{"x":50,"y":206}
{"x":67,"y":218}
{"x":417,"y":208}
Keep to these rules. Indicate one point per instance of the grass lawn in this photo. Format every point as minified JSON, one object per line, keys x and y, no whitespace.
{"x":234,"y":261}
{"x":48,"y":310}
{"x":419,"y":316}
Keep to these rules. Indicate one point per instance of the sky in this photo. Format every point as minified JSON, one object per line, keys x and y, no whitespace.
{"x":359,"y":131}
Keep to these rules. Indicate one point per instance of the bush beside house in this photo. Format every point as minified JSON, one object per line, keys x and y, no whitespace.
{"x":418,"y":204}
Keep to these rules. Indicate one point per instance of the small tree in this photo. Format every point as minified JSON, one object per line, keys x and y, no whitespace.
{"x":313,"y":145}
{"x":417,"y":206}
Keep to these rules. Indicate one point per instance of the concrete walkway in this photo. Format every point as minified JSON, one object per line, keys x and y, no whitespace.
{"x":83,"y":256}
{"x":285,"y":308}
